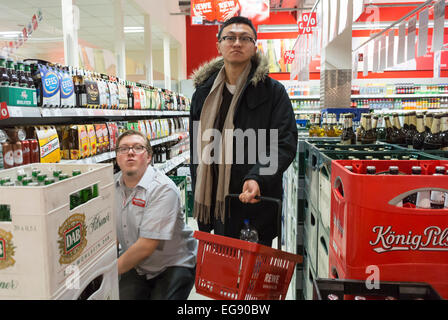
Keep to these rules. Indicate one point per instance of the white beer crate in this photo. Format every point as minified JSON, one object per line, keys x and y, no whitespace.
{"x":46,"y":240}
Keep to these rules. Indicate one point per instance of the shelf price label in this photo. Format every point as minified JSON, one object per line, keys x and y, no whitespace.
{"x":307,"y":22}
{"x":4,"y":113}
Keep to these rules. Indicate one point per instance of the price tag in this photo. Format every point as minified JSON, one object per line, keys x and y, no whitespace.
{"x":4,"y":113}
{"x":288,"y":56}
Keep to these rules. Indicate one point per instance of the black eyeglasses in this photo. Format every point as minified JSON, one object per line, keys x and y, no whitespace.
{"x":138,"y":149}
{"x":243,"y":39}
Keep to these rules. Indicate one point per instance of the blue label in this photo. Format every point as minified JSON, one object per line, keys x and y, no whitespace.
{"x":67,"y":87}
{"x":50,"y":81}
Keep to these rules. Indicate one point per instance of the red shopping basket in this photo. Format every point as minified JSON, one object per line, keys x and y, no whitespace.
{"x":233,"y":269}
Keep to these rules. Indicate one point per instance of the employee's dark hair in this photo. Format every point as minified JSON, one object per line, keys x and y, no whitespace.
{"x":237,"y":19}
{"x":136,"y":133}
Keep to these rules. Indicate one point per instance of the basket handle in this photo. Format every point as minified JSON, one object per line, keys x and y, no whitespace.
{"x":267,"y":199}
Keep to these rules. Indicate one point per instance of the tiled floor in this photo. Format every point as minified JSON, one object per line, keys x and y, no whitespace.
{"x":194,"y":295}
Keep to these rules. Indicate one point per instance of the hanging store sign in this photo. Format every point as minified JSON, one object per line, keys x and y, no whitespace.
{"x":307,"y":22}
{"x":212,"y":12}
{"x":11,"y":46}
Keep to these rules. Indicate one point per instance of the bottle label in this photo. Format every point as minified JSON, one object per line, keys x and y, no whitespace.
{"x":18,"y":157}
{"x":437,"y":197}
{"x":9,"y":158}
{"x":50,"y":86}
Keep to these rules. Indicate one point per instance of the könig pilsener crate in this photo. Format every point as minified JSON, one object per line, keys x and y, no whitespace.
{"x":55,"y":230}
{"x":368,"y":228}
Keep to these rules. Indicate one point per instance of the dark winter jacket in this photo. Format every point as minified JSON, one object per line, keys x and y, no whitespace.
{"x":264,"y":104}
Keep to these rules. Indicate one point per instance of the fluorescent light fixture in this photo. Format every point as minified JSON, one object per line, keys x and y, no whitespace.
{"x":134,"y":29}
{"x":10,"y":34}
{"x":266,"y":28}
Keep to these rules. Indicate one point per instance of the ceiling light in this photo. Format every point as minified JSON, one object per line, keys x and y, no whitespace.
{"x":278,"y":28}
{"x":134,"y":29}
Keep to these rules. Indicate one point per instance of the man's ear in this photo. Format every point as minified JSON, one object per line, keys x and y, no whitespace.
{"x":217,"y":47}
{"x":149,"y":160}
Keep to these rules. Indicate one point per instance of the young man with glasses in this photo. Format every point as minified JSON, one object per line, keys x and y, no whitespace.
{"x":235,"y":92}
{"x":158,"y":251}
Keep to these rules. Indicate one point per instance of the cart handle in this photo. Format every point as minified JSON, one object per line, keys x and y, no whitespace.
{"x":262,"y":198}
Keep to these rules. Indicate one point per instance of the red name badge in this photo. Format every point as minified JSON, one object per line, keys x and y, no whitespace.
{"x":138,"y":202}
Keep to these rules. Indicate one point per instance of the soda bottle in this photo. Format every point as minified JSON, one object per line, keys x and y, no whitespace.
{"x":248,"y":233}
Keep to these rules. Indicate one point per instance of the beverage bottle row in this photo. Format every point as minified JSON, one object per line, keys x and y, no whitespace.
{"x":16,"y":149}
{"x":425,"y":199}
{"x":329,"y":127}
{"x":68,"y":87}
{"x":15,"y":73}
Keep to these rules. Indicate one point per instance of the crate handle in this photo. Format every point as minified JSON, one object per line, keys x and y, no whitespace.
{"x":262,"y":198}
{"x":322,"y":241}
{"x":339,"y":188}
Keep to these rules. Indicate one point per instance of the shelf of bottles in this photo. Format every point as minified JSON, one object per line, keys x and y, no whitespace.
{"x":378,"y":97}
{"x":36,"y":88}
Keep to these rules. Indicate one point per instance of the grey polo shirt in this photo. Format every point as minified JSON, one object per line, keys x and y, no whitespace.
{"x":152,"y":210}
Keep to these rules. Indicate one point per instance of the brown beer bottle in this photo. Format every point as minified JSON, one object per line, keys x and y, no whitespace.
{"x":419,"y":138}
{"x":389,"y":129}
{"x":369,"y":136}
{"x":348,"y":135}
{"x":398,"y":134}
{"x":432,"y":139}
{"x":362,"y":130}
{"x":4,"y":77}
{"x":444,"y":132}
{"x":412,"y":130}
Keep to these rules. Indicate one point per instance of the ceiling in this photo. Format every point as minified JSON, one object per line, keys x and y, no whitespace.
{"x":96,"y":20}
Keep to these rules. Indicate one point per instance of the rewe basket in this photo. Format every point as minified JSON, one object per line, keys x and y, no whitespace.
{"x":233,"y":269}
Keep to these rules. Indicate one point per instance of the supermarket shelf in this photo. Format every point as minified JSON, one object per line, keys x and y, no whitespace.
{"x":313,"y":97}
{"x":173,"y":137}
{"x":378,"y":96}
{"x":92,"y":160}
{"x":307,"y":111}
{"x":37,"y":112}
{"x":400,"y":111}
{"x":398,"y":96}
{"x":173,"y":163}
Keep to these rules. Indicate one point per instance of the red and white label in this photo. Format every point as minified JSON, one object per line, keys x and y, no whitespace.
{"x":4,"y":113}
{"x":138,"y":202}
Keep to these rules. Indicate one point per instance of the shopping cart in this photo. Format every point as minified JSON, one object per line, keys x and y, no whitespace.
{"x":233,"y":269}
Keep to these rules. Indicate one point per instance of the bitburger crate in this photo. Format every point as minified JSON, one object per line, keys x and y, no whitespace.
{"x":372,"y":226}
{"x":51,"y":233}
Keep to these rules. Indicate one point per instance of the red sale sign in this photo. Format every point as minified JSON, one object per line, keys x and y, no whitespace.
{"x":307,"y":22}
{"x":288,"y":56}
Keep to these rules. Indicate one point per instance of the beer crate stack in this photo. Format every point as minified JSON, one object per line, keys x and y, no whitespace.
{"x":291,"y":227}
{"x":389,"y":220}
{"x":57,"y":232}
{"x":318,"y":157}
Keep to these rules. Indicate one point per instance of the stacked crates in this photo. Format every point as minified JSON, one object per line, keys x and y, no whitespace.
{"x":368,"y":228}
{"x":52,"y":248}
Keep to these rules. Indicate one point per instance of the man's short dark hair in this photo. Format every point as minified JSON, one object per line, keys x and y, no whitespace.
{"x":237,"y":19}
{"x":136,"y":133}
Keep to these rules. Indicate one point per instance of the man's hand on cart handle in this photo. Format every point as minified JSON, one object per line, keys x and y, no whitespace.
{"x":251,"y":191}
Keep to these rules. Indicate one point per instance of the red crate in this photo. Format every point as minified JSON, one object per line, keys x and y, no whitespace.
{"x":407,"y":244}
{"x":233,"y":269}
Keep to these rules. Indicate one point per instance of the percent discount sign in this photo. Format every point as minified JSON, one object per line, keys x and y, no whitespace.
{"x":288,"y":56}
{"x":307,"y":22}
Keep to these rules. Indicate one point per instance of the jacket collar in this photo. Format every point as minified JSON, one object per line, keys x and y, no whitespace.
{"x":208,"y":71}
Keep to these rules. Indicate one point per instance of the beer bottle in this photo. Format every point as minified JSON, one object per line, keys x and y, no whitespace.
{"x":349,"y":168}
{"x":371,"y":170}
{"x":4,"y":76}
{"x":23,"y":81}
{"x":369,"y":136}
{"x":412,"y":130}
{"x":428,"y":122}
{"x":325,"y":126}
{"x":389,"y":130}
{"x":362,"y":131}
{"x":375,"y":124}
{"x":13,"y":79}
{"x":29,"y":78}
{"x":398,"y":135}
{"x":393,"y":170}
{"x":348,"y":135}
{"x":444,"y":132}
{"x":432,"y":139}
{"x":381,"y":129}
{"x":419,"y":138}
{"x":406,"y":124}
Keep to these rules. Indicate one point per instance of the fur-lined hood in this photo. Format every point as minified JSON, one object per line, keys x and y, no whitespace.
{"x":209,"y":68}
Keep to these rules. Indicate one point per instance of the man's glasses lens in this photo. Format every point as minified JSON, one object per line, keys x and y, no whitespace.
{"x":136,"y":149}
{"x":243,"y":39}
